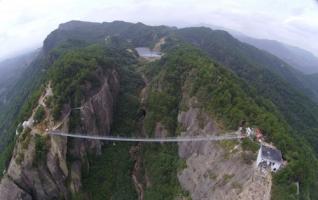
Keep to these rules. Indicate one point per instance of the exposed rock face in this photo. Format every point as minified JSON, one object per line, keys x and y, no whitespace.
{"x":11,"y":191}
{"x":96,"y":119}
{"x":214,"y":172}
{"x":54,"y":178}
{"x":97,"y":112}
{"x":160,"y":131}
{"x":39,"y":179}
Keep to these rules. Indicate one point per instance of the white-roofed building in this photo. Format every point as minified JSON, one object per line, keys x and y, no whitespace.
{"x":269,"y":157}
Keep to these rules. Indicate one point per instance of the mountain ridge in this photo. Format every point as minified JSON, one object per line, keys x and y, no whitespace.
{"x":301,"y":59}
{"x":206,"y":80}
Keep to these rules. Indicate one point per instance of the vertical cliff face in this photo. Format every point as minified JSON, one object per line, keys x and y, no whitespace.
{"x":38,"y":167}
{"x":216,"y":170}
{"x":49,"y":167}
{"x":195,"y":91}
{"x":186,"y":93}
{"x":97,"y":112}
{"x":96,"y":119}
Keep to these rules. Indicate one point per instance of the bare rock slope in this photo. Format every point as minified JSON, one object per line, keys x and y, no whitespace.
{"x":40,"y":167}
{"x":216,"y":170}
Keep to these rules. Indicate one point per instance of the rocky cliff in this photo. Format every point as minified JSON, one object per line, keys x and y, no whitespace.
{"x":184,"y":92}
{"x":49,"y":167}
{"x":217,"y":170}
{"x":176,"y":102}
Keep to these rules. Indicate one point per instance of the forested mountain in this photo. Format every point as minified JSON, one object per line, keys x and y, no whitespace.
{"x":304,"y":62}
{"x":269,"y":76}
{"x":10,"y":71}
{"x":137,"y":34}
{"x":20,"y":98}
{"x":313,"y":78}
{"x":301,"y":59}
{"x":205,"y":83}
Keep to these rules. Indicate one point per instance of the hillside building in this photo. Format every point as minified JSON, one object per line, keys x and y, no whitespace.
{"x":269,"y":158}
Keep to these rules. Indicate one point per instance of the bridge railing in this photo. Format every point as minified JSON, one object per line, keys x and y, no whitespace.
{"x":232,"y":136}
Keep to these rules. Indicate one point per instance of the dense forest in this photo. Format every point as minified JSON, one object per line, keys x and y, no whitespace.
{"x":265,"y":74}
{"x":229,"y":99}
{"x":231,"y":80}
{"x":22,"y":99}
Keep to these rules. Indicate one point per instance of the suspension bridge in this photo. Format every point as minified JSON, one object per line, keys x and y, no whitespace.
{"x":230,"y":136}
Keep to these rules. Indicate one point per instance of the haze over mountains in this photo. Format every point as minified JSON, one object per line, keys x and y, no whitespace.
{"x":11,"y":70}
{"x":297,"y":57}
{"x":205,"y":82}
{"x":300,"y":59}
{"x":235,"y":80}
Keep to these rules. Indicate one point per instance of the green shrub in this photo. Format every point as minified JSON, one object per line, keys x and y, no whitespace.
{"x":20,"y":128}
{"x":25,"y":140}
{"x":41,"y":149}
{"x":162,"y":163}
{"x":249,"y":145}
{"x":229,"y":100}
{"x":110,"y":174}
{"x":49,"y":101}
{"x":39,"y":114}
{"x":228,"y":145}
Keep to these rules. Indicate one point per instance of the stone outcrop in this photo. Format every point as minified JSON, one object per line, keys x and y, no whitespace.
{"x":97,"y":112}
{"x":215,"y":170}
{"x":40,"y":179}
{"x":59,"y":173}
{"x":96,"y":119}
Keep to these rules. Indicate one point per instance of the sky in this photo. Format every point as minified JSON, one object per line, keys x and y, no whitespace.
{"x":25,"y":24}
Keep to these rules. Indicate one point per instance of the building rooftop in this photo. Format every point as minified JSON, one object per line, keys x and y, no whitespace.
{"x":271,"y":153}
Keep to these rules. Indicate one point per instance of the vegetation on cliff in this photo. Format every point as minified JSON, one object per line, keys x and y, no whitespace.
{"x":230,"y":100}
{"x":23,"y":99}
{"x":270,"y":78}
{"x":244,"y":86}
{"x":110,"y":173}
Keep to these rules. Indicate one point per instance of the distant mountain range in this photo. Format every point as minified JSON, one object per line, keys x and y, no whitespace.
{"x":301,"y":59}
{"x":11,"y":70}
{"x":297,"y":57}
{"x":206,"y":82}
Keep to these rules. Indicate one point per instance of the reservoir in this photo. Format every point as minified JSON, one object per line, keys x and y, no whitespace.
{"x":147,"y":53}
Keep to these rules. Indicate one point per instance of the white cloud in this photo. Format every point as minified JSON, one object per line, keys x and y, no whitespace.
{"x":25,"y":24}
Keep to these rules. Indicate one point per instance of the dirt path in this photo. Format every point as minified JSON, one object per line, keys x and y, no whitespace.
{"x":40,"y":127}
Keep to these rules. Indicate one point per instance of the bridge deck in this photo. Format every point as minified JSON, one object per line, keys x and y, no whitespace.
{"x":232,"y":136}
